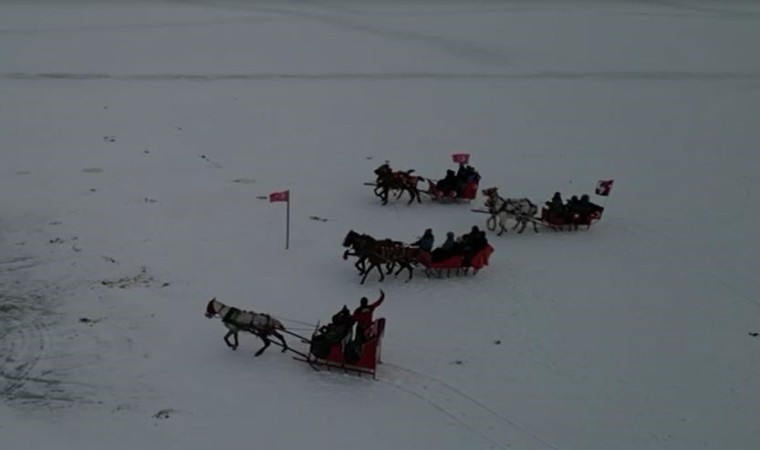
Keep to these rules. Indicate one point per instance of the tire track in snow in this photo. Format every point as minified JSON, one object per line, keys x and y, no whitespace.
{"x":461,"y":407}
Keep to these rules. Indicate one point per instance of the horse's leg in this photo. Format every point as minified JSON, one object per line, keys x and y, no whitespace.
{"x":282,"y":340}
{"x":380,"y":271}
{"x":366,"y":272}
{"x":411,"y":272}
{"x":227,"y":339}
{"x":401,"y":267}
{"x":266,"y":344}
{"x":502,"y":225}
{"x":359,"y":264}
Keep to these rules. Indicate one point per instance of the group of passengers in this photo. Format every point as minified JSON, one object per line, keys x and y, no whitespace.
{"x":454,"y":182}
{"x":575,"y":207}
{"x":467,"y":245}
{"x":342,"y":325}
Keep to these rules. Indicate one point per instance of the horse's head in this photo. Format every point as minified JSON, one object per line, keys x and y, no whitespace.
{"x":211,"y":308}
{"x":350,"y":238}
{"x":383,"y":170}
{"x":491,"y":192}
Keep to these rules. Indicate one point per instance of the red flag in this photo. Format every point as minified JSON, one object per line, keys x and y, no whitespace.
{"x":461,"y":158}
{"x":603,"y":187}
{"x":282,"y":196}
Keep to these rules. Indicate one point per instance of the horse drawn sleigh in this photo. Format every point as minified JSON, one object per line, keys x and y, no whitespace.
{"x":466,"y":257}
{"x":454,"y":187}
{"x":556,"y":215}
{"x":335,"y":347}
{"x":331,"y":346}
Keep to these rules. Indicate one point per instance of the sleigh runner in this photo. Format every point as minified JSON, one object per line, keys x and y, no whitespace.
{"x":456,"y":264}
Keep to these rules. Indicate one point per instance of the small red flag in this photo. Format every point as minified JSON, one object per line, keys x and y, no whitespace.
{"x":461,"y":158}
{"x":603,"y":187}
{"x":282,"y":196}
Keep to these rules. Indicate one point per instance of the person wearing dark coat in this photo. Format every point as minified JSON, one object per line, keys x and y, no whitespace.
{"x":446,"y":250}
{"x":555,"y":205}
{"x":465,"y":174}
{"x":342,"y":323}
{"x":571,"y":208}
{"x":468,"y":237}
{"x":583,"y":207}
{"x":474,"y":242}
{"x":449,"y":243}
{"x":448,"y":184}
{"x":426,"y":241}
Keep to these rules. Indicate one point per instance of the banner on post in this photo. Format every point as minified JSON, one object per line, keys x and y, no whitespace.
{"x":282,"y":196}
{"x":461,"y":158}
{"x":603,"y":187}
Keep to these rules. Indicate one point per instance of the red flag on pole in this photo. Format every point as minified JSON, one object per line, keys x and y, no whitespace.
{"x":282,"y":196}
{"x":603,"y":187}
{"x":461,"y":158}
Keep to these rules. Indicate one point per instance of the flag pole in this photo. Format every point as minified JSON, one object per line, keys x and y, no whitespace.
{"x":287,"y":223}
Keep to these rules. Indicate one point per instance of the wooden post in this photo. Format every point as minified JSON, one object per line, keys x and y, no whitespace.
{"x":287,"y":224}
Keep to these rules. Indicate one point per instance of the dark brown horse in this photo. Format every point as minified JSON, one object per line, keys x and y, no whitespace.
{"x":378,"y":253}
{"x":362,"y":245}
{"x":388,"y":180}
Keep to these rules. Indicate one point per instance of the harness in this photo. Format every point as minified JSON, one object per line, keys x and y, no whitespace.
{"x":231,"y":315}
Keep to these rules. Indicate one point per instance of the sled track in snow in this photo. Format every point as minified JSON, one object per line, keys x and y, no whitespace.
{"x":22,"y":346}
{"x":465,"y":409}
{"x":637,"y":76}
{"x":26,"y":308}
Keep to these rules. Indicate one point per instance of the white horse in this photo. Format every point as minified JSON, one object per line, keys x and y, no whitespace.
{"x":261,"y":325}
{"x":522,"y":210}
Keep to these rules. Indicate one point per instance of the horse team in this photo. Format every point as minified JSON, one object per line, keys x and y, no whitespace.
{"x":379,"y":253}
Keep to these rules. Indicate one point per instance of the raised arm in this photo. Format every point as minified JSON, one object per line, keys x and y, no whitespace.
{"x":378,"y":301}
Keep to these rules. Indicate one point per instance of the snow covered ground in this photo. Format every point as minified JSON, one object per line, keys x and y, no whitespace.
{"x":137,"y":137}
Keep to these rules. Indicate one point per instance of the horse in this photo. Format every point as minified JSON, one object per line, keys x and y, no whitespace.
{"x":388,"y":180}
{"x":362,"y":245}
{"x":521,"y":209}
{"x":261,"y":325}
{"x":406,"y":257}
{"x":359,"y":243}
